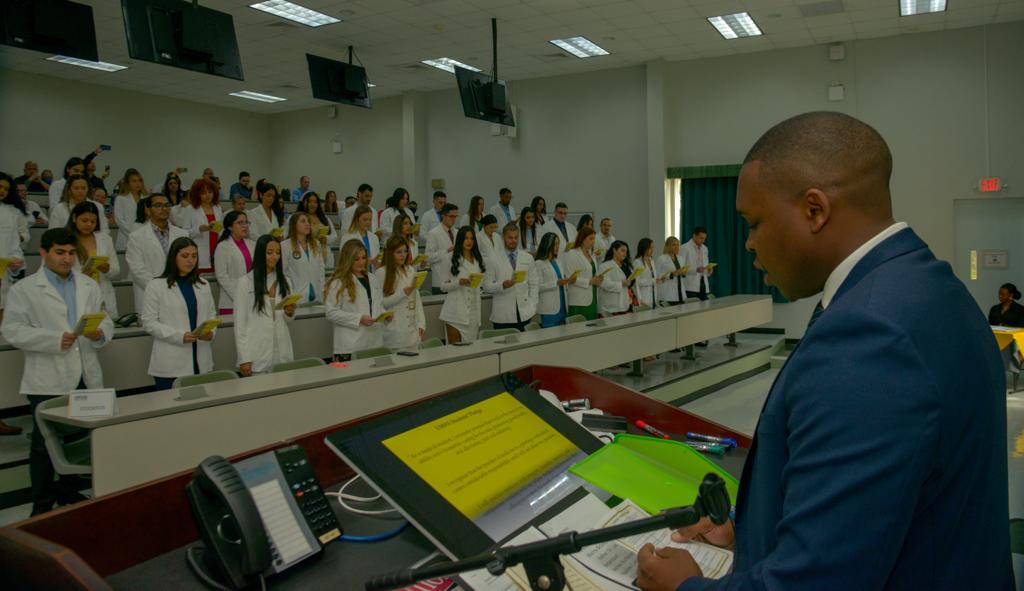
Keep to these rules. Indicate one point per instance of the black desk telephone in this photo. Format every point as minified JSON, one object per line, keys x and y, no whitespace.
{"x":257,"y":517}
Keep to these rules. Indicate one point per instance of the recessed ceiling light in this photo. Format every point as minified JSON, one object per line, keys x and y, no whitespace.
{"x":74,"y":61}
{"x":255,"y":96}
{"x":291,"y":11}
{"x":736,"y":25}
{"x":912,"y":7}
{"x":580,"y":46}
{"x":448,"y":64}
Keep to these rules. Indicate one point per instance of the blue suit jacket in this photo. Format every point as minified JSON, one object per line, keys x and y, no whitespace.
{"x":879,"y":460}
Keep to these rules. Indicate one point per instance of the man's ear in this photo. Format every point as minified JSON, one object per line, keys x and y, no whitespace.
{"x":817,"y":209}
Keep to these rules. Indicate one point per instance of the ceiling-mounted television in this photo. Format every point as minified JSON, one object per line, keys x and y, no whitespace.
{"x":338,"y":82}
{"x":57,"y":27}
{"x":182,"y":35}
{"x":483,"y":97}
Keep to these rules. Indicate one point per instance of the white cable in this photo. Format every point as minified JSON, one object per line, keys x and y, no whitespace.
{"x":342,"y":497}
{"x":341,"y":493}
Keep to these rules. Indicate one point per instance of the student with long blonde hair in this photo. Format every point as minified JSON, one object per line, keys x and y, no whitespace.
{"x":354,"y":302}
{"x":361,"y":229}
{"x":76,"y":190}
{"x":403,"y":227}
{"x":398,"y":279}
{"x":126,"y":204}
{"x":305,"y":258}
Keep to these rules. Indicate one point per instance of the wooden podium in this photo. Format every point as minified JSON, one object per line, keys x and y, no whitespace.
{"x":78,"y":546}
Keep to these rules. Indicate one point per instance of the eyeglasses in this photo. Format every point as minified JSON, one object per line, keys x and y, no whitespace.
{"x":160,"y":206}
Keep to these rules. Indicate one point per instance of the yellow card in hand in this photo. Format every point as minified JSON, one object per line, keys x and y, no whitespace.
{"x":216,"y":226}
{"x":520,"y":276}
{"x":89,"y":323}
{"x":289,"y":300}
{"x":711,"y":266}
{"x":277,"y":233}
{"x":207,"y":326}
{"x":636,"y":273}
{"x":416,"y":228}
{"x":575,"y":274}
{"x":419,"y":260}
{"x":385,"y":316}
{"x":322,"y":232}
{"x":4,"y":263}
{"x":475,"y":280}
{"x":664,"y":276}
{"x":602,"y":273}
{"x":420,"y":278}
{"x":686,"y":269}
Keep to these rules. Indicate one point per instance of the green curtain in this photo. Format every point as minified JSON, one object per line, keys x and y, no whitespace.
{"x":711,"y":202}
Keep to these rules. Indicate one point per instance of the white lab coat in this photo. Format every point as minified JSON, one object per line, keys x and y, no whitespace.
{"x":694,"y":257}
{"x":105,"y":248}
{"x":125,"y":208}
{"x":646,"y":284}
{"x":193,"y":218}
{"x":349,"y":335}
{"x":374,"y":249}
{"x":387,"y":220}
{"x":548,"y":289}
{"x":403,"y":332}
{"x":13,"y":232}
{"x":602,"y":244}
{"x":499,"y":214}
{"x":31,"y":209}
{"x":530,"y":240}
{"x":259,"y":223}
{"x":672,"y":289}
{"x":303,"y":269}
{"x":612,"y":297}
{"x":567,"y":238}
{"x":488,"y":245}
{"x":165,"y":317}
{"x":35,"y":320}
{"x":60,"y":215}
{"x":146,"y":257}
{"x":438,"y":255}
{"x":580,"y":293}
{"x":262,"y":339}
{"x":430,"y":220}
{"x":462,"y":300}
{"x":55,"y":192}
{"x":332,"y":233}
{"x":522,"y":295}
{"x":348,"y":212}
{"x":229,"y":266}
{"x":180,"y":214}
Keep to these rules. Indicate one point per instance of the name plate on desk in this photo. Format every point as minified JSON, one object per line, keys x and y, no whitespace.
{"x":92,"y":403}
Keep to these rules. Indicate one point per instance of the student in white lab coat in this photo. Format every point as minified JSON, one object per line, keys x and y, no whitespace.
{"x":84,"y":220}
{"x":503,"y":210}
{"x":581,"y":262}
{"x":461,"y":309}
{"x":202,"y":216}
{"x":397,"y":279}
{"x":614,"y":294}
{"x":361,"y":229}
{"x":305,"y":259}
{"x":76,"y":190}
{"x":695,"y":256}
{"x":311,"y":206}
{"x":441,"y":245}
{"x":433,"y":217}
{"x":233,"y":258}
{"x":364,"y":196}
{"x":604,"y":238}
{"x":268,"y":215}
{"x":553,"y":304}
{"x":126,"y":205}
{"x":40,"y":318}
{"x":474,"y":215}
{"x":560,"y":225}
{"x":672,"y":291}
{"x":354,"y":302}
{"x":148,"y":245}
{"x":13,"y":233}
{"x":540,"y":212}
{"x":489,"y":238}
{"x":513,"y":303}
{"x":586,"y":221}
{"x":403,"y":226}
{"x":176,"y":304}
{"x":73,"y":167}
{"x":646,"y":285}
{"x":262,"y":337}
{"x":397,"y":204}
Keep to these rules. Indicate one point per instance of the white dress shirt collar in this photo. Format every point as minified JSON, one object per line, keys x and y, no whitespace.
{"x":840,"y":273}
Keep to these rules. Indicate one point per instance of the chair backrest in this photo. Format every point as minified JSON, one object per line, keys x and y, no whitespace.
{"x":575,"y":318}
{"x":207,"y":378}
{"x":374,"y":352}
{"x":532,"y":326}
{"x":297,"y":364}
{"x":431,"y":343}
{"x":497,"y":332}
{"x":70,"y":458}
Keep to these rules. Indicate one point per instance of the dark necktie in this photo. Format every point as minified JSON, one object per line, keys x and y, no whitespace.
{"x":512,"y":260}
{"x":451,"y":236}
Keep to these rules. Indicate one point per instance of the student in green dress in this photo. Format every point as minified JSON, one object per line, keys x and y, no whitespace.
{"x":580,"y":261}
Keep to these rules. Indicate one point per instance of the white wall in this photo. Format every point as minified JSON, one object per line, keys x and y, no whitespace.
{"x":50,"y":120}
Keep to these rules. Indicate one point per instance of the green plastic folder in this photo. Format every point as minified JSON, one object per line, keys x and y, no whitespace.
{"x":654,"y":473}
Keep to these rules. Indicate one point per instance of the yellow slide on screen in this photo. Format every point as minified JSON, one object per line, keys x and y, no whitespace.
{"x":477,"y":457}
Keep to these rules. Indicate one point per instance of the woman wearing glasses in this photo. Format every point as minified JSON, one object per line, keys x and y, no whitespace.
{"x":233,"y":258}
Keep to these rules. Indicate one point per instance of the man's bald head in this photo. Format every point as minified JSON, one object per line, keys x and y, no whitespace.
{"x":829,"y":151}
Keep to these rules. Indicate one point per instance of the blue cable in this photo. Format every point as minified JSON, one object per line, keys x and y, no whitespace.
{"x":376,"y":537}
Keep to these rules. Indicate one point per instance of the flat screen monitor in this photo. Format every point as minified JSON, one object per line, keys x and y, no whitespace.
{"x":57,"y":27}
{"x":473,"y":467}
{"x":483,"y":97}
{"x":338,"y":82}
{"x":182,"y":35}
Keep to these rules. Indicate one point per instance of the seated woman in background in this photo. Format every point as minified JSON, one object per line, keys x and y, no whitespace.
{"x":529,"y":238}
{"x":85,"y":218}
{"x":361,"y":230}
{"x":126,"y":204}
{"x":233,"y":258}
{"x":305,"y":259}
{"x":1007,"y":312}
{"x":201,"y":220}
{"x":614,"y":298}
{"x":331,"y":203}
{"x":580,"y":261}
{"x":76,"y":191}
{"x":354,"y":302}
{"x":174,"y":307}
{"x":554,"y":299}
{"x":268,"y":216}
{"x":397,"y":279}
{"x":461,"y":309}
{"x":262,"y":338}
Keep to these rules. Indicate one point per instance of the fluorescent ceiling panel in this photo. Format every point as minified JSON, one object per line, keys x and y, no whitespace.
{"x":580,"y":47}
{"x":733,"y":26}
{"x":255,"y":96}
{"x":74,"y":61}
{"x":912,"y":7}
{"x":294,"y":12}
{"x":448,"y":64}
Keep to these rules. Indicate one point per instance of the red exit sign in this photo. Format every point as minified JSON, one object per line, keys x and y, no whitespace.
{"x":989,"y":185}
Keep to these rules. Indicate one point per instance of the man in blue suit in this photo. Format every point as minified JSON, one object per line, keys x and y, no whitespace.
{"x":879,"y":460}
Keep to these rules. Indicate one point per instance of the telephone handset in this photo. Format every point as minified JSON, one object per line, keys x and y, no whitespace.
{"x":257,"y":517}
